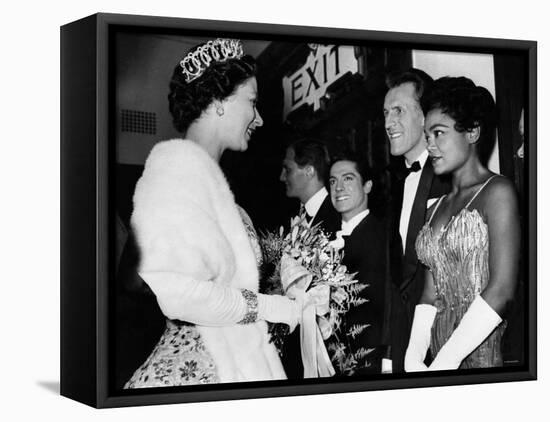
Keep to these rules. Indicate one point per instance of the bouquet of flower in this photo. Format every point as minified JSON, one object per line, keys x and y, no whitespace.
{"x":309,"y":249}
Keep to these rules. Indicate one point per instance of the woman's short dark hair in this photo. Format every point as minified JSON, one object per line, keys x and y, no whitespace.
{"x":187,"y":100}
{"x":470,"y":106}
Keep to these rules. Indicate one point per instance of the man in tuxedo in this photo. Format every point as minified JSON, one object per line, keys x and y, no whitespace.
{"x":414,"y":188}
{"x":304,"y":173}
{"x":362,"y":234}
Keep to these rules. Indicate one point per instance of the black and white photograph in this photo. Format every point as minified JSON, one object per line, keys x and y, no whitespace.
{"x":336,"y":209}
{"x":256,"y":211}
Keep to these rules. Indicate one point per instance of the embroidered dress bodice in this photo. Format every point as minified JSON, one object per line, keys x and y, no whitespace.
{"x":252,"y":236}
{"x":458,"y":258}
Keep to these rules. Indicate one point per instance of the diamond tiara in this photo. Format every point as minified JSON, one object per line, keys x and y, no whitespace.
{"x":218,"y":50}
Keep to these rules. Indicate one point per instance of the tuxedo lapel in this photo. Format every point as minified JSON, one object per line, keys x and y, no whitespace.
{"x":365,"y":253}
{"x":418,"y":214}
{"x":354,"y":242}
{"x":328,"y":217}
{"x":321,"y":213}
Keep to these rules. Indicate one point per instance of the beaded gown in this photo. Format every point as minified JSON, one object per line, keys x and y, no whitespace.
{"x":180,"y":356}
{"x":458,"y":257}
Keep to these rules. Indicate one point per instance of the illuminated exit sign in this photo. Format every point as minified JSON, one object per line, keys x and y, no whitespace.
{"x":324,"y":65}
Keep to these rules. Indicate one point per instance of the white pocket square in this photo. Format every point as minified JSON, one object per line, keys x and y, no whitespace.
{"x":430,"y":202}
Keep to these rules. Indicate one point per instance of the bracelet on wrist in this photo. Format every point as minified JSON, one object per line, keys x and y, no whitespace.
{"x":251,"y":300}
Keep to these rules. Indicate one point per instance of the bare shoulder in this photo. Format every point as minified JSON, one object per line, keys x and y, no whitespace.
{"x":498,"y":195}
{"x":500,"y":187}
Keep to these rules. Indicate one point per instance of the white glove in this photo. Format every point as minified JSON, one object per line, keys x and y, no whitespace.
{"x":212,"y":304}
{"x":387,"y":366}
{"x":477,"y":323}
{"x":276,"y":308}
{"x":419,"y":341}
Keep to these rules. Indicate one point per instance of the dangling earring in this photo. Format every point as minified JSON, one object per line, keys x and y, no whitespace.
{"x":219,"y":111}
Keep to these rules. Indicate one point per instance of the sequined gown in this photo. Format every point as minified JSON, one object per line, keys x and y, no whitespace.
{"x":180,"y":356}
{"x":458,"y":257}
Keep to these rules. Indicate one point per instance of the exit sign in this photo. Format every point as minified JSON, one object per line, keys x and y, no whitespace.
{"x":324,"y":65}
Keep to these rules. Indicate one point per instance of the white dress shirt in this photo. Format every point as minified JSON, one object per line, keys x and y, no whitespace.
{"x":349,"y":226}
{"x":347,"y":229}
{"x":409,"y":193}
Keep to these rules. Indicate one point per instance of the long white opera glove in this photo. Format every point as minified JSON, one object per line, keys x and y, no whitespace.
{"x":477,"y":323}
{"x":419,"y":341}
{"x":213,"y":304}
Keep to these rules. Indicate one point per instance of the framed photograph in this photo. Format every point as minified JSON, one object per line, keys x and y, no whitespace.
{"x":190,"y":269}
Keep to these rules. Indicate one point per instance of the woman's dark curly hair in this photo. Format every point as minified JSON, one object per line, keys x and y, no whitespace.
{"x":470,"y":106}
{"x":188,"y":100}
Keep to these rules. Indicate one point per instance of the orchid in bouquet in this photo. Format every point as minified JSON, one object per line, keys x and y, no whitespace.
{"x":310,"y":249}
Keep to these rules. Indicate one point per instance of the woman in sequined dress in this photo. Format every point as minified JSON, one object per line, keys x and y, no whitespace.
{"x":470,"y":243}
{"x":199,"y":251}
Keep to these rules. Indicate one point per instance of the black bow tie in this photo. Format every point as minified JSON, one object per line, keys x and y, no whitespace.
{"x":404,"y":171}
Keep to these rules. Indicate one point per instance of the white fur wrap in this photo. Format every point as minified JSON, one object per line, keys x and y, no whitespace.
{"x":189,"y":231}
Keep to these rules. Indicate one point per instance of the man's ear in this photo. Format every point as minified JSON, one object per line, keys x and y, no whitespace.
{"x":367,"y":187}
{"x":473,"y":135}
{"x":310,"y":171}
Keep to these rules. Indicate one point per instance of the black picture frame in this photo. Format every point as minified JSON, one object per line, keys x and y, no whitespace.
{"x":87,"y":223}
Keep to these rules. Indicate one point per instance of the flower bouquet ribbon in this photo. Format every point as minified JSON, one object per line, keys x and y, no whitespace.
{"x":296,"y":280}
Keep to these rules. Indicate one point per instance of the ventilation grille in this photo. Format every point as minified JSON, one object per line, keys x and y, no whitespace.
{"x":138,"y":122}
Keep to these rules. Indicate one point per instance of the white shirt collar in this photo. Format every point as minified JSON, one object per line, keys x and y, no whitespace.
{"x":422,"y":158}
{"x":314,"y":203}
{"x":349,"y":226}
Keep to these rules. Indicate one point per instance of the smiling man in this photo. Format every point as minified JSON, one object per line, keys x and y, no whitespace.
{"x":414,"y":187}
{"x":362,"y":237}
{"x":304,"y":173}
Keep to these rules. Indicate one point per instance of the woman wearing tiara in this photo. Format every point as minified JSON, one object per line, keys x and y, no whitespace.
{"x":199,"y":251}
{"x":470,"y":242}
